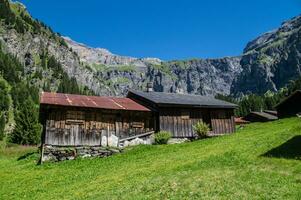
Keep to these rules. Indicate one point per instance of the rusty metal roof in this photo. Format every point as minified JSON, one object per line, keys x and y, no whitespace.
{"x":240,"y":120}
{"x":104,"y":102}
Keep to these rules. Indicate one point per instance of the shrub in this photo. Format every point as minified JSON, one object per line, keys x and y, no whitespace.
{"x":202,"y":129}
{"x":162,"y":137}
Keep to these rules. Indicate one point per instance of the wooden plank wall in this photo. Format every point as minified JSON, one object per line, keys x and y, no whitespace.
{"x":180,"y":121}
{"x":69,"y":127}
{"x":222,"y":121}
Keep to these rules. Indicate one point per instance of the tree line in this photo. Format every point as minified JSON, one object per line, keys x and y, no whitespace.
{"x":267,"y":101}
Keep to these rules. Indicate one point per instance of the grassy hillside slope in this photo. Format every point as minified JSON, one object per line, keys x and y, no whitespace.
{"x":262,"y":161}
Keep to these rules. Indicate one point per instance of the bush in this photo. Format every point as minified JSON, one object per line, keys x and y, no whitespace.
{"x":202,"y":129}
{"x":162,"y":137}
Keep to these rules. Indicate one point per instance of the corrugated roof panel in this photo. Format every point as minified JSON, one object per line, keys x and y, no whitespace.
{"x":265,"y":115}
{"x":183,"y":99}
{"x":114,"y":103}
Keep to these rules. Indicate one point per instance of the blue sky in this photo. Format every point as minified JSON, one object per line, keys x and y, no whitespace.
{"x":167,"y":29}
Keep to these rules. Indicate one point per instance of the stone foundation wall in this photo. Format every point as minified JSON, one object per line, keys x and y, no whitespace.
{"x":110,"y":145}
{"x":54,"y":153}
{"x":58,"y":153}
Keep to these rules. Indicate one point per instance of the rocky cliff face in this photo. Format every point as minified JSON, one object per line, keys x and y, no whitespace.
{"x":199,"y":76}
{"x":101,"y":56}
{"x":120,"y":73}
{"x":270,"y":61}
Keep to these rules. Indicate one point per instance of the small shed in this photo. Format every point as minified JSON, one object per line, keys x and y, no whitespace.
{"x":177,"y":113}
{"x":290,"y":106}
{"x":78,"y":120}
{"x":260,"y":116}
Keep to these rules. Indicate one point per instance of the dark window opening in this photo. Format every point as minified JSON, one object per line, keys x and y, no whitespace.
{"x":185,"y":114}
{"x":207,"y":118}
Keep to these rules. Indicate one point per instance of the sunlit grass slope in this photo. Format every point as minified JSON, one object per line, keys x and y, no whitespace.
{"x":261,"y":161}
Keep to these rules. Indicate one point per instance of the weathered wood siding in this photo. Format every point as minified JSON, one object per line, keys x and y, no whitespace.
{"x":222,"y":121}
{"x":180,"y":121}
{"x":290,"y":107}
{"x":75,"y":127}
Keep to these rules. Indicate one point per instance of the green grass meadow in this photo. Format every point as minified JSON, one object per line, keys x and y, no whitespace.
{"x":260,"y":161}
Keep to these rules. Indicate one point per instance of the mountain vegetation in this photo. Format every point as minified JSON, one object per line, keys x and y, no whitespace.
{"x":19,"y":98}
{"x":19,"y":94}
{"x":256,"y":102}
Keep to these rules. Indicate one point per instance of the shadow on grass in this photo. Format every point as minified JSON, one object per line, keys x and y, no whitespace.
{"x":26,"y":156}
{"x":291,"y":149}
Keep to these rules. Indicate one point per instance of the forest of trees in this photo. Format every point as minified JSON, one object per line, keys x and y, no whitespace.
{"x":254,"y":102}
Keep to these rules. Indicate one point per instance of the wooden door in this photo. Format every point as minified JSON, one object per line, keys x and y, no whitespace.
{"x":74,"y":134}
{"x":207,"y":116}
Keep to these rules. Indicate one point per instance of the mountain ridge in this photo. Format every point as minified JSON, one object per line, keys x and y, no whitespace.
{"x":271,"y":60}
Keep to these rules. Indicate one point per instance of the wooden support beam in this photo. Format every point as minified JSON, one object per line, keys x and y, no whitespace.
{"x":137,"y":136}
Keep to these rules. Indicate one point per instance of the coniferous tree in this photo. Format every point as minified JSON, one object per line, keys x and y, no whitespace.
{"x":27,"y":129}
{"x":5,"y":102}
{"x":2,"y":125}
{"x":270,"y":100}
{"x":4,"y":95}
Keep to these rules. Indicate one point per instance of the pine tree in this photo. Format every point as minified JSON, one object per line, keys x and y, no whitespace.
{"x":5,"y":103}
{"x":5,"y":99}
{"x":2,"y":125}
{"x":27,"y":129}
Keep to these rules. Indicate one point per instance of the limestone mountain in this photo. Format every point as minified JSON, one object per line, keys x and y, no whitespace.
{"x":270,"y":61}
{"x":200,"y":76}
{"x":98,"y":56}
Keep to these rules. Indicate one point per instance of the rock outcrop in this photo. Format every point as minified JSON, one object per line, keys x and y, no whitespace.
{"x":271,"y":60}
{"x":198,"y":76}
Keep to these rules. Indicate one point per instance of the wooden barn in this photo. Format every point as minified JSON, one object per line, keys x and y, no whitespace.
{"x":177,"y":113}
{"x":290,"y":106}
{"x":264,"y":116}
{"x":75,"y":120}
